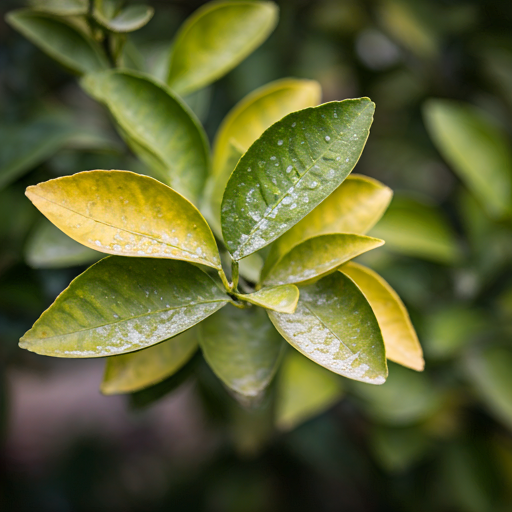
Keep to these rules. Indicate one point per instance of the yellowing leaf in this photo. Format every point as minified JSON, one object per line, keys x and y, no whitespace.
{"x":60,"y":40}
{"x":478,"y":151}
{"x":278,"y":298}
{"x":120,"y":212}
{"x":290,"y":169}
{"x":259,"y":110}
{"x":304,"y":390}
{"x":318,"y":256}
{"x":354,"y":207}
{"x":244,"y":124}
{"x":49,"y":247}
{"x":335,"y":326}
{"x":215,"y":39}
{"x":400,"y":339}
{"x":242,"y":348}
{"x":120,"y":305}
{"x":138,"y":370}
{"x":159,"y":126}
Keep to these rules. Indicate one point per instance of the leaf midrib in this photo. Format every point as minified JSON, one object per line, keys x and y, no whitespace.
{"x":328,"y":327}
{"x":127,"y":319}
{"x":123,"y":229}
{"x":264,"y":217}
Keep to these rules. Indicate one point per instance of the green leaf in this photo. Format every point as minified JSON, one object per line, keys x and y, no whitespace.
{"x":120,"y":305}
{"x":128,"y":19}
{"x":417,"y":228}
{"x":242,"y":348}
{"x":49,"y":247}
{"x":476,"y":148}
{"x":215,"y":186}
{"x":335,"y":326}
{"x":490,"y":371}
{"x":26,"y":146}
{"x":138,"y":370}
{"x":258,"y":111}
{"x":290,"y":169}
{"x":354,"y":207}
{"x":407,"y":397}
{"x":244,"y":124}
{"x":159,"y":124}
{"x":304,"y":390}
{"x":60,"y":40}
{"x":278,"y":298}
{"x":123,"y":213}
{"x":400,"y":339}
{"x":61,"y":7}
{"x":215,"y":39}
{"x":317,"y":257}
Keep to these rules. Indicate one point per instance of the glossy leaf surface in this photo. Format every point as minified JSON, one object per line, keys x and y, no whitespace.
{"x":120,"y":305}
{"x":354,"y":207}
{"x":318,"y":256}
{"x":290,"y":169}
{"x":138,"y":370}
{"x":477,"y":150}
{"x":304,"y":390}
{"x":123,"y":213}
{"x":417,"y":228}
{"x":278,"y":298}
{"x":242,"y":348}
{"x":49,"y":247}
{"x":491,"y":373}
{"x":335,"y":326}
{"x":128,"y":19}
{"x":400,"y":339}
{"x":215,"y":39}
{"x":257,"y":111}
{"x":59,"y":40}
{"x":160,"y":128}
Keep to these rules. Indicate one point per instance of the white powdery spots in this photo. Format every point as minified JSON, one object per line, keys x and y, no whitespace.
{"x":279,"y":142}
{"x":289,"y":169}
{"x":327,"y":138}
{"x":137,"y":333}
{"x":309,"y":335}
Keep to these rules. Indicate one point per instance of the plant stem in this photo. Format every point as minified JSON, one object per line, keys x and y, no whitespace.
{"x":224,"y":280}
{"x":234,"y":276}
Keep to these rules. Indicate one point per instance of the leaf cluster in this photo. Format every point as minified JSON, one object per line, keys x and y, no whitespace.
{"x":234,"y":252}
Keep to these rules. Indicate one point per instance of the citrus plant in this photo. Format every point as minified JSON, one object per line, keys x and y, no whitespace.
{"x":237,"y":252}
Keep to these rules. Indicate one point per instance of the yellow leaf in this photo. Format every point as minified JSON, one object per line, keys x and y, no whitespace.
{"x":260,"y":109}
{"x":138,"y":370}
{"x":400,"y":339}
{"x":123,"y":213}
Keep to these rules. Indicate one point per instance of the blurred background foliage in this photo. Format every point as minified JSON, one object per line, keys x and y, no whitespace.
{"x":439,"y":440}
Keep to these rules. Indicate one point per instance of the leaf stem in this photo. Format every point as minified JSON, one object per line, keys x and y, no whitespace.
{"x":224,"y":280}
{"x":234,"y":276}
